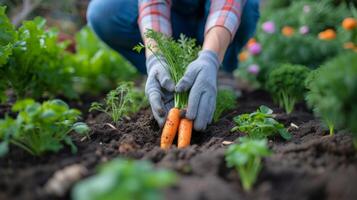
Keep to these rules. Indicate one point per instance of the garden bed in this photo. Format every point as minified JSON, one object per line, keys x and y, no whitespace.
{"x":312,"y":165}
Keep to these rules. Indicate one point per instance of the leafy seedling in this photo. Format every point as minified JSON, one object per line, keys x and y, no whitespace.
{"x":286,"y":85}
{"x":40,"y":128}
{"x":125,"y":180}
{"x":333,"y":92}
{"x":32,"y":61}
{"x":124,"y":100}
{"x":260,"y":124}
{"x":246,"y":158}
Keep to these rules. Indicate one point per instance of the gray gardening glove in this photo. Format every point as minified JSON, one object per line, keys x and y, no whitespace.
{"x":159,"y":88}
{"x":201,"y":78}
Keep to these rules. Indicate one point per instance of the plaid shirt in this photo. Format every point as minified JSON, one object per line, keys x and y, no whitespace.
{"x":155,"y":14}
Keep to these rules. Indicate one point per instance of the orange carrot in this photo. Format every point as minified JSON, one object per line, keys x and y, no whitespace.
{"x":184,"y":133}
{"x":170,"y":128}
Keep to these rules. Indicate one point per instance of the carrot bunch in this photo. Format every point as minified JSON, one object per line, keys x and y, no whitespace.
{"x":178,"y":55}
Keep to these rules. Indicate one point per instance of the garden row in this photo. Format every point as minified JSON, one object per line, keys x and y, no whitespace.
{"x":317,"y":63}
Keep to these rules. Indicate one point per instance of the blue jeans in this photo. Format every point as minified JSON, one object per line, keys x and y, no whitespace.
{"x":115,"y":22}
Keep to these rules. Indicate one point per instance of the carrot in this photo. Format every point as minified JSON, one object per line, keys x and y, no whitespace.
{"x":170,"y":128}
{"x":184,"y":133}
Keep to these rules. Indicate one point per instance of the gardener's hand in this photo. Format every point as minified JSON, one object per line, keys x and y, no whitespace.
{"x":159,"y":88}
{"x":201,"y":77}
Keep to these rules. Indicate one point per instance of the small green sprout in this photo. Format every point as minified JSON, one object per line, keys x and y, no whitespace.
{"x":246,"y":158}
{"x":260,"y":124}
{"x":125,"y":180}
{"x":124,"y":100}
{"x":40,"y":128}
{"x":226,"y":100}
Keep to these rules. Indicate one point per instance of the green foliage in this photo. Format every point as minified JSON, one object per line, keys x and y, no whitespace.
{"x":333,"y":92}
{"x":260,"y":124}
{"x":246,"y":158}
{"x":178,"y":55}
{"x":226,"y":100}
{"x":32,"y":62}
{"x":125,"y":180}
{"x":98,"y":68}
{"x":124,"y":100}
{"x":286,"y":85}
{"x":300,"y":48}
{"x":39,"y":128}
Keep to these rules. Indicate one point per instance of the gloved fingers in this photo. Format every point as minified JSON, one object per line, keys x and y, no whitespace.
{"x":211,"y":109}
{"x":154,"y":95}
{"x":165,"y":80}
{"x":160,"y":119}
{"x":193,"y":103}
{"x":186,"y":82}
{"x":169,"y":105}
{"x":201,"y":119}
{"x":157,"y":105}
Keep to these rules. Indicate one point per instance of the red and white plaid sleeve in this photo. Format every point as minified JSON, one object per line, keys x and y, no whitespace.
{"x":155,"y":14}
{"x":226,"y":14}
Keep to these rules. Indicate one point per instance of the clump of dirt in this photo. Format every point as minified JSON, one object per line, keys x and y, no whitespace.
{"x":312,"y":165}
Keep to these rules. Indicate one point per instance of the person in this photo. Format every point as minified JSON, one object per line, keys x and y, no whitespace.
{"x":222,"y":27}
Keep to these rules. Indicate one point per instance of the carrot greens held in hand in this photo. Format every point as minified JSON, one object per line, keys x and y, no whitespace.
{"x":178,"y":55}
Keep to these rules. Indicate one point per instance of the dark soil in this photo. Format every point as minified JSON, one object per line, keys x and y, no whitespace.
{"x":312,"y":165}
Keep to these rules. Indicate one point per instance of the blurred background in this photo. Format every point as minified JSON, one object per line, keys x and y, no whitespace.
{"x":68,"y":15}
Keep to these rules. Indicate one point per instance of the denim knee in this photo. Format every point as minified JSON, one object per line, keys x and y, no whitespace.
{"x":115,"y":22}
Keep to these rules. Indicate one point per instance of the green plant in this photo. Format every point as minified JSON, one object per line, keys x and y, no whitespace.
{"x":39,"y":128}
{"x":286,"y":85}
{"x":333,"y":92}
{"x":246,"y":158}
{"x":303,"y":47}
{"x":97,"y":67}
{"x":125,"y":180}
{"x":124,"y":100}
{"x":260,"y":124}
{"x":178,"y":56}
{"x":32,"y":62}
{"x":226,"y":100}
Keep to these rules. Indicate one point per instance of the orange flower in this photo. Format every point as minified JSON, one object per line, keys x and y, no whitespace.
{"x":243,"y":56}
{"x":349,"y":23}
{"x":288,"y":31}
{"x":328,"y":34}
{"x":251,"y":41}
{"x":349,"y":45}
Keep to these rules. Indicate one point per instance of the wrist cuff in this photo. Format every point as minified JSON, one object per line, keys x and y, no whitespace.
{"x":209,"y":56}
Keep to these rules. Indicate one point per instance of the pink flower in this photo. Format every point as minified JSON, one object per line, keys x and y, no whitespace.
{"x":268,"y":27}
{"x":304,"y":30}
{"x":255,"y":48}
{"x":307,"y":9}
{"x":254,"y":69}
